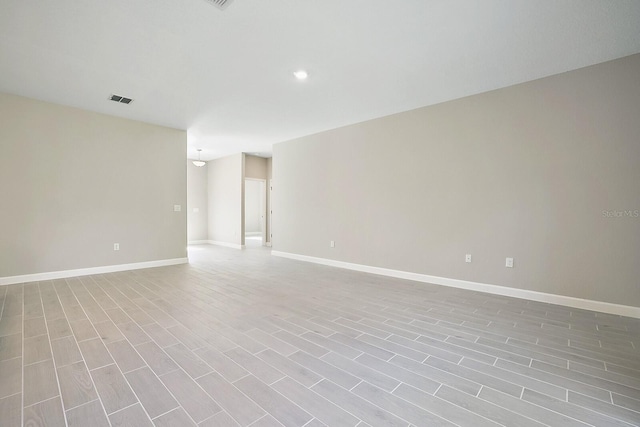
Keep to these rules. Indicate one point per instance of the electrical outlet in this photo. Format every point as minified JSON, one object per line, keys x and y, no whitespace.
{"x":509,"y":263}
{"x":332,"y":244}
{"x":116,"y":246}
{"x":177,"y":208}
{"x":467,"y":258}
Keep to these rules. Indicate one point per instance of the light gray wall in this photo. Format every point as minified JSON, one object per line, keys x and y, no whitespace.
{"x":226,"y":199}
{"x":197,"y":204}
{"x":528,"y":172}
{"x":73,"y":183}
{"x":251,"y":206}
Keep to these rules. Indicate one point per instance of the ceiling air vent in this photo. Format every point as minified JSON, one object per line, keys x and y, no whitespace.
{"x":220,"y":4}
{"x":121,"y":99}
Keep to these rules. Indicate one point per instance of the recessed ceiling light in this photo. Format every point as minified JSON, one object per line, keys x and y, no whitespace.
{"x":301,"y":74}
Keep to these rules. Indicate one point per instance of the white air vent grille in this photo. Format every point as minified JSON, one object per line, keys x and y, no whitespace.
{"x":220,"y":4}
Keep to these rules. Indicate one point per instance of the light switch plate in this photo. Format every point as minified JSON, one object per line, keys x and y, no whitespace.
{"x":177,"y":208}
{"x":509,"y":263}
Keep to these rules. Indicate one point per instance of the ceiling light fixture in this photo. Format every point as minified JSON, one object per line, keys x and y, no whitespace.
{"x":301,"y":74}
{"x":199,"y":163}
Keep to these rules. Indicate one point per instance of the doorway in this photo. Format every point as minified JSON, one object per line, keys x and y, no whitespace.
{"x":255,"y":212}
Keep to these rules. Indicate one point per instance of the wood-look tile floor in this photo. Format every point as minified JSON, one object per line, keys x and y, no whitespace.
{"x":241,"y":338}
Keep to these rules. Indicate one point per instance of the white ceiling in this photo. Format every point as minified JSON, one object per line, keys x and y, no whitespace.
{"x":226,"y":76}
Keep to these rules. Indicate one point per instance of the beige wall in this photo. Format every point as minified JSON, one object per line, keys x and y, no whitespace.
{"x":197,"y":204}
{"x":523,"y":172}
{"x":73,"y":183}
{"x":255,"y":167}
{"x":226,"y":199}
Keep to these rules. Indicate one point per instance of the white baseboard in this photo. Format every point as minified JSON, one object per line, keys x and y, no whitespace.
{"x":198,"y":242}
{"x":10,"y":280}
{"x":268,"y":244}
{"x":253,"y":233}
{"x":604,"y":307}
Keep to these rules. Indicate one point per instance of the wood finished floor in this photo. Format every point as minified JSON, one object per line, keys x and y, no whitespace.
{"x":244,"y":338}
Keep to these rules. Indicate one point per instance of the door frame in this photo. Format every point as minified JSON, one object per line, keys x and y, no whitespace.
{"x":270,"y":211}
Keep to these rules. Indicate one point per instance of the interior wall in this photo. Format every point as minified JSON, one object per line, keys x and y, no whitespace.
{"x":255,"y":167}
{"x":545,"y":172}
{"x":252,"y":206}
{"x":197,"y":204}
{"x":73,"y":183}
{"x":226,"y":199}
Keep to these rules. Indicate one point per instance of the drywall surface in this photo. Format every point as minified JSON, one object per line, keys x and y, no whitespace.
{"x":197,"y":204}
{"x":73,"y":183}
{"x":255,"y":167}
{"x":226,"y":198}
{"x":545,"y":172}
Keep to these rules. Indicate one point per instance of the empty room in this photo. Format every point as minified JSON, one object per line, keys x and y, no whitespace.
{"x":299,"y":213}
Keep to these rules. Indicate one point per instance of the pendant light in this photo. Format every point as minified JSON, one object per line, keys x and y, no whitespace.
{"x":199,"y":162}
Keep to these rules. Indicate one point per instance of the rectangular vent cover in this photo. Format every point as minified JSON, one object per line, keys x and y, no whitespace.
{"x":121,"y":99}
{"x":220,"y":4}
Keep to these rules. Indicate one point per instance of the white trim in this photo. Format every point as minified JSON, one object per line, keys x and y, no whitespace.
{"x":604,"y":307}
{"x":10,"y":280}
{"x":268,"y":244}
{"x":253,"y":233}
{"x":198,"y":242}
